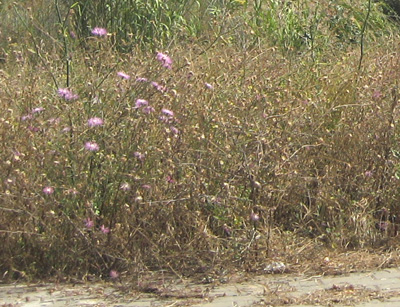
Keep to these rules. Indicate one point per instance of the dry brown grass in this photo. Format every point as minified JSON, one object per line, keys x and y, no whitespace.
{"x":294,"y":152}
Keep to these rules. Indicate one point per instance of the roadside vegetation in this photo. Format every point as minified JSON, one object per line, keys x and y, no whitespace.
{"x":195,"y":136}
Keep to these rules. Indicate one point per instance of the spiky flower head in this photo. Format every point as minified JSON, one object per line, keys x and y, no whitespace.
{"x":123,"y":75}
{"x":95,"y":121}
{"x":165,"y":60}
{"x":92,"y":146}
{"x":48,"y":190}
{"x":97,"y":31}
{"x":67,"y":94}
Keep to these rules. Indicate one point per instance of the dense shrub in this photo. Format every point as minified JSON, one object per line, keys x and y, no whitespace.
{"x":217,"y":149}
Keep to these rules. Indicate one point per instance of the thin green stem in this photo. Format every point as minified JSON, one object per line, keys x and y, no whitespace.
{"x":362,"y":35}
{"x":65,"y":44}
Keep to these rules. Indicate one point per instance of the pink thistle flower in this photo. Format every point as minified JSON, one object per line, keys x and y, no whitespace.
{"x":140,"y":79}
{"x":89,"y":222}
{"x":123,"y":75}
{"x":165,"y":60}
{"x":139,"y":155}
{"x":158,"y":87}
{"x":368,"y":174}
{"x":164,"y":118}
{"x":170,"y":179}
{"x":26,"y":117}
{"x":174,"y":130}
{"x":377,"y":94}
{"x":48,"y":190}
{"x":114,"y":274}
{"x":141,"y":103}
{"x":254,"y":217}
{"x":33,"y":129}
{"x":95,"y":121}
{"x":104,"y":229}
{"x":167,"y":112}
{"x":148,"y":110}
{"x":67,"y":94}
{"x":37,"y":110}
{"x":92,"y":146}
{"x":99,"y":31}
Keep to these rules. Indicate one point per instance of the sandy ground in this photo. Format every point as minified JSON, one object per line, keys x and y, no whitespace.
{"x":375,"y":288}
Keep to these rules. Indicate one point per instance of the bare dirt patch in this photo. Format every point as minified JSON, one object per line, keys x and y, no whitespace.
{"x":356,"y":279}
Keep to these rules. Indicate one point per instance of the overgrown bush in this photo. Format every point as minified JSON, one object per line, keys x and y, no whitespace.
{"x":206,"y":154}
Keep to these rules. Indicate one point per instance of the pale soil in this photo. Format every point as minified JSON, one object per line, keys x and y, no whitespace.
{"x":374,"y":288}
{"x":361,"y":278}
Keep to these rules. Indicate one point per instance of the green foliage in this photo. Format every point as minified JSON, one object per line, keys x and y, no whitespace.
{"x":300,"y":25}
{"x":153,"y":22}
{"x":392,"y":7}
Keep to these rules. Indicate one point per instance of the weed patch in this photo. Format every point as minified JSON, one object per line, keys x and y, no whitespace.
{"x":211,"y":151}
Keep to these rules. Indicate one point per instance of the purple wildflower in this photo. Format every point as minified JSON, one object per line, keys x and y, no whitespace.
{"x":92,"y":146}
{"x":33,"y":128}
{"x":37,"y":110}
{"x":139,"y":155}
{"x":104,"y":229}
{"x":114,"y":274}
{"x":26,"y":117}
{"x":141,"y":103}
{"x":48,"y":190}
{"x":254,"y":217}
{"x":95,"y":121}
{"x":377,"y":94}
{"x":146,"y":186}
{"x":167,"y":112}
{"x":123,"y":75}
{"x":174,"y":130}
{"x":72,"y":34}
{"x":89,"y":223}
{"x":155,"y":84}
{"x":170,"y":179}
{"x":67,"y":94}
{"x":158,"y":87}
{"x":368,"y":174}
{"x":148,"y":110}
{"x":165,"y":60}
{"x":164,"y":118}
{"x":99,"y":31}
{"x":140,"y":79}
